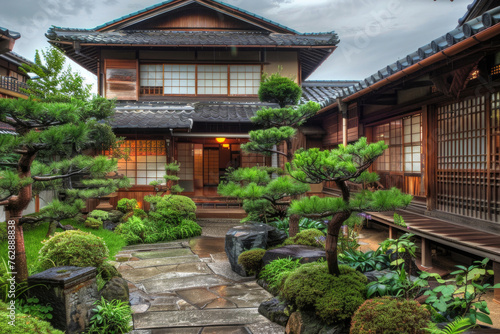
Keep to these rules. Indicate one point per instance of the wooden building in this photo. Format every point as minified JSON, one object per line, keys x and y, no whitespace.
{"x":185,"y":74}
{"x":12,"y":79}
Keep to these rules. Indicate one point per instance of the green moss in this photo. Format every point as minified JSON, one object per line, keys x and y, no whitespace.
{"x":93,"y":223}
{"x":72,"y":248}
{"x":310,"y":237}
{"x":251,"y":260}
{"x":24,"y":323}
{"x":390,"y":315}
{"x":333,"y":298}
{"x":277,"y":271}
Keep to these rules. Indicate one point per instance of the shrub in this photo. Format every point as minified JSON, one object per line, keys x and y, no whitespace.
{"x":251,"y":260}
{"x":99,"y":214}
{"x":140,"y":213}
{"x":371,"y":260}
{"x":126,"y":205}
{"x":93,"y":223}
{"x":24,"y":323}
{"x":281,"y":90}
{"x":333,"y":298}
{"x":276,"y":272}
{"x":390,"y":315}
{"x":181,"y":205}
{"x":132,"y":230}
{"x":72,"y":248}
{"x":187,"y":229}
{"x":311,"y":237}
{"x":110,"y":317}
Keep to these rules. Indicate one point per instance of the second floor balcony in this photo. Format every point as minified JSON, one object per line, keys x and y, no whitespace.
{"x":12,"y":85}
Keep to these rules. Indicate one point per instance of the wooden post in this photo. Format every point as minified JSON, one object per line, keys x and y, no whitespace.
{"x":426,"y":253}
{"x":392,"y":232}
{"x":496,"y":277}
{"x":343,"y":112}
{"x":37,"y":203}
{"x":430,"y":131}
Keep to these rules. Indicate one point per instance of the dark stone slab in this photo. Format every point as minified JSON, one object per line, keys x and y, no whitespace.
{"x":115,"y":288}
{"x":274,"y":310}
{"x":305,"y":253}
{"x":242,"y":238}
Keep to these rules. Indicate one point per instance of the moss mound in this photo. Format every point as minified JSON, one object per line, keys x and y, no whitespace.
{"x":251,"y":260}
{"x":310,"y":237}
{"x":390,"y":315}
{"x":24,"y":323}
{"x":72,"y":248}
{"x":333,"y":298}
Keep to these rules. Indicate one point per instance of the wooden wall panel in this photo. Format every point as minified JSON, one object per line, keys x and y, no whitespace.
{"x":121,"y":77}
{"x":333,"y":127}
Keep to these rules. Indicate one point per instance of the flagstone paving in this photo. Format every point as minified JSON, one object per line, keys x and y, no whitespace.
{"x":189,"y":288}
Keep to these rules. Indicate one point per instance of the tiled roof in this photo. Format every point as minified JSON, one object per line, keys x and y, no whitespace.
{"x":169,"y":1}
{"x":152,"y":115}
{"x":453,"y":37}
{"x":227,"y":112}
{"x":15,"y":58}
{"x":323,"y":92}
{"x":180,"y":38}
{"x":9,"y":33}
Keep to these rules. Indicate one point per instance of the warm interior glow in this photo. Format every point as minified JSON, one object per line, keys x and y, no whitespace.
{"x":220,"y":140}
{"x":225,"y":145}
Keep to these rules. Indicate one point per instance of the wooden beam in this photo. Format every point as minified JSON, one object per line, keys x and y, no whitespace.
{"x":426,"y":253}
{"x":496,"y":277}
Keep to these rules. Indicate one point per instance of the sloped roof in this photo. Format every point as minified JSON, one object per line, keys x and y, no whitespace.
{"x":437,"y":46}
{"x":325,"y":91}
{"x":9,"y":33}
{"x":476,"y":8}
{"x":15,"y":58}
{"x":191,"y":38}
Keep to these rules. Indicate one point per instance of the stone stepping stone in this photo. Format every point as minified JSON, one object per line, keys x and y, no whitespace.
{"x":202,"y":298}
{"x":197,"y":318}
{"x":163,"y":253}
{"x":193,"y":267}
{"x":306,"y":254}
{"x":204,"y":246}
{"x":267,"y":327}
{"x":160,"y":245}
{"x":243,"y":295}
{"x":170,"y":284}
{"x":136,"y":275}
{"x":219,"y":257}
{"x":224,"y":269}
{"x":163,"y":261}
{"x":225,"y":330}
{"x":170,"y":303}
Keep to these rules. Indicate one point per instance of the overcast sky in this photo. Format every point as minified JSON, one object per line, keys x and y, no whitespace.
{"x":373,"y":33}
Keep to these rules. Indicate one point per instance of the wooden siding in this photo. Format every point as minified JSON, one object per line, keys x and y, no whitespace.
{"x":121,"y":77}
{"x":252,"y":159}
{"x":193,"y":18}
{"x":333,"y":128}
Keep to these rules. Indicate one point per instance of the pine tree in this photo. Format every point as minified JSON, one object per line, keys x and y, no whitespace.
{"x":54,"y":129}
{"x":342,"y":165}
{"x":170,"y":186}
{"x":263,"y":195}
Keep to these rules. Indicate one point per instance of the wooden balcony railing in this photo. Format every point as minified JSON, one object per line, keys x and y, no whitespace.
{"x":12,"y":84}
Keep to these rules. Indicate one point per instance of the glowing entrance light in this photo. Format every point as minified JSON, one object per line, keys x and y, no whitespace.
{"x":220,"y":140}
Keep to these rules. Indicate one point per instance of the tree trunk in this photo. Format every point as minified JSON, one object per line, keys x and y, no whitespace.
{"x":52,"y":229}
{"x":332,"y":239}
{"x":293,"y":226}
{"x":20,"y":264}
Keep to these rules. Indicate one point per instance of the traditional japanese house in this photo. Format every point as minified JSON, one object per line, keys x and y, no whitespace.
{"x":12,"y":79}
{"x":438,"y":110}
{"x":185,"y":74}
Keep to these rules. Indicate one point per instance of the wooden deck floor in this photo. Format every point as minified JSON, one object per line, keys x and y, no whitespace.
{"x":461,"y":237}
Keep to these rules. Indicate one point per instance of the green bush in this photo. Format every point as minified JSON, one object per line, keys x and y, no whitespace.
{"x":181,"y":205}
{"x":24,"y":323}
{"x":132,"y":230}
{"x":99,"y":214}
{"x":281,"y":90}
{"x":277,"y":271}
{"x":333,"y":298}
{"x":72,"y":248}
{"x":140,"y":213}
{"x":126,"y":205}
{"x":311,"y":237}
{"x":3,"y":231}
{"x":110,"y":317}
{"x":187,"y":229}
{"x":390,"y":315}
{"x":93,"y":223}
{"x":251,"y":260}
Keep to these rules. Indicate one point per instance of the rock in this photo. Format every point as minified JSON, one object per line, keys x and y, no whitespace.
{"x":274,"y":310}
{"x":305,"y":253}
{"x":304,"y":323}
{"x":114,"y":216}
{"x":109,"y":225}
{"x":246,"y":237}
{"x":116,"y":288}
{"x":375,"y":275}
{"x":108,"y":271}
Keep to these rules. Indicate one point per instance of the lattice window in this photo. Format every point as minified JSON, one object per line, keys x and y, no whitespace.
{"x":212,"y":80}
{"x":146,"y":161}
{"x":179,"y":79}
{"x":245,"y":79}
{"x":461,"y":159}
{"x":390,"y":133}
{"x":151,"y":81}
{"x":185,"y":156}
{"x":412,"y":144}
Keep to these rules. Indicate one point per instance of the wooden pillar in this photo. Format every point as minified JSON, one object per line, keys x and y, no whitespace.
{"x":426,"y":253}
{"x":392,"y":232}
{"x":343,"y":112}
{"x":429,"y":114}
{"x":496,"y":277}
{"x":37,"y":203}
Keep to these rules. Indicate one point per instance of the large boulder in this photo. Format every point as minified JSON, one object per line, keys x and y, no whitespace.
{"x":305,"y":323}
{"x":113,"y":220}
{"x":116,"y":288}
{"x":274,"y":310}
{"x":246,"y":237}
{"x":306,"y":254}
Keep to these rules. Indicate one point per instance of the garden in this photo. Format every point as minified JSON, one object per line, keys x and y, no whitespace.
{"x":342,"y":290}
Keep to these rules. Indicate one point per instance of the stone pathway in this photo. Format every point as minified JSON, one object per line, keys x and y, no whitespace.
{"x":189,"y":288}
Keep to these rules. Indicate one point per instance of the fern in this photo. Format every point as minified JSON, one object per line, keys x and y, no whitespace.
{"x":459,"y":325}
